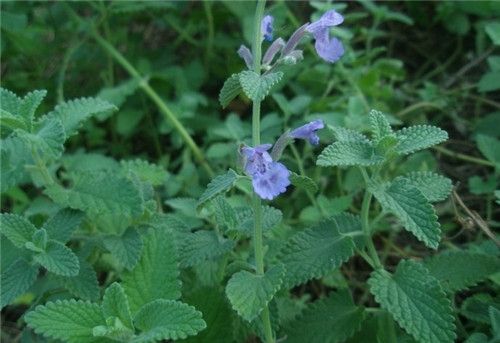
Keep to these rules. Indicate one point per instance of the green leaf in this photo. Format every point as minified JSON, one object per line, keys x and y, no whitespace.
{"x":349,"y":153}
{"x":343,"y":134}
{"x":85,"y":284}
{"x":230,"y":90}
{"x":125,"y":248}
{"x":15,"y":280}
{"x":156,"y":274}
{"x":74,"y":112}
{"x":257,"y":87}
{"x":457,"y":270}
{"x":433,"y":186}
{"x":58,"y":259}
{"x":489,"y":147}
{"x":379,"y":125}
{"x":68,"y":320}
{"x":314,"y":252}
{"x":19,"y":112}
{"x":250,"y":293}
{"x":48,"y":138}
{"x":271,"y":217}
{"x":202,"y":245}
{"x":415,"y":138}
{"x":225,"y":215}
{"x":219,"y":184}
{"x":304,"y":182}
{"x":489,"y":82}
{"x":62,"y":225}
{"x":15,"y":154}
{"x":17,"y":229}
{"x":416,"y":301}
{"x":167,"y":319}
{"x":411,"y":207}
{"x":98,"y":193}
{"x":476,"y":307}
{"x":328,"y":320}
{"x":115,"y":304}
{"x":118,"y":94}
{"x":147,"y":172}
{"x":493,"y":31}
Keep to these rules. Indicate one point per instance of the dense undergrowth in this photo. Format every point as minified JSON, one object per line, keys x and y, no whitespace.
{"x":128,"y":176}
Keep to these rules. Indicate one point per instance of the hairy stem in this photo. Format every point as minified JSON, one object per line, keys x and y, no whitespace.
{"x":257,"y":236}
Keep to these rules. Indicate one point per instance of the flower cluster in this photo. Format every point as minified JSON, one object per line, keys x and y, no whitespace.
{"x":328,"y":48}
{"x":270,"y":177}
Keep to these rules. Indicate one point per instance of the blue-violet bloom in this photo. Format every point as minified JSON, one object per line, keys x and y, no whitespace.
{"x":266,"y":28}
{"x":308,"y":131}
{"x":329,"y":49}
{"x":269,"y":178}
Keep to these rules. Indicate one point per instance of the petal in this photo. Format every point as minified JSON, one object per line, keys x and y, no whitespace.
{"x":273,"y":182}
{"x":329,"y":50}
{"x":329,"y":19}
{"x":273,"y":49}
{"x":266,"y":28}
{"x":247,"y":56}
{"x":294,"y":39}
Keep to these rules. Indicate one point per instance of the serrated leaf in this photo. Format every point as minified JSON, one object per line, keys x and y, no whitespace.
{"x":61,"y":226}
{"x":17,"y":229}
{"x":304,"y":182}
{"x":58,"y":259}
{"x":125,"y":248}
{"x":257,"y":87}
{"x":73,"y":113}
{"x":115,"y":304}
{"x":147,"y":172}
{"x":230,"y":90}
{"x":225,"y":215}
{"x":68,"y":320}
{"x":156,"y":274}
{"x":48,"y":138}
{"x":433,"y":186}
{"x":118,"y":94}
{"x":202,"y":245}
{"x":476,"y":307}
{"x":349,"y":153}
{"x":457,"y":270}
{"x":249,"y":293}
{"x":15,"y":154}
{"x":328,"y":320}
{"x":99,"y":193}
{"x":489,"y":147}
{"x":167,"y":319}
{"x":415,"y":138}
{"x":17,"y":111}
{"x":314,"y":252}
{"x":343,"y":134}
{"x":15,"y":280}
{"x":379,"y":125}
{"x":416,"y":301}
{"x":271,"y":217}
{"x":85,"y":284}
{"x":410,"y":206}
{"x":218,"y":185}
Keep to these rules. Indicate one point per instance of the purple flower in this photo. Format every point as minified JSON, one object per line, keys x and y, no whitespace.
{"x":247,"y":56}
{"x":266,"y":28}
{"x":269,"y":178}
{"x":308,"y":131}
{"x":329,"y":49}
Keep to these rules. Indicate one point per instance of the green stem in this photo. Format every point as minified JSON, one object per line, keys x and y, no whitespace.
{"x":464,"y":157}
{"x":257,"y":237}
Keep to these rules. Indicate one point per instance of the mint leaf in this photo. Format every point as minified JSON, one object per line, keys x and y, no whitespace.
{"x":15,"y":280}
{"x":328,"y":320}
{"x":156,"y":274}
{"x":415,"y":138}
{"x":145,"y":171}
{"x":219,"y":184}
{"x":433,"y":186}
{"x":202,"y":245}
{"x":343,"y":134}
{"x":19,"y":113}
{"x":271,"y":217}
{"x":61,"y":226}
{"x":411,"y":207}
{"x":416,"y":301}
{"x":489,"y":147}
{"x":47,"y":139}
{"x":67,"y":320}
{"x":314,"y":252}
{"x":304,"y":182}
{"x":257,"y":87}
{"x":115,"y":304}
{"x":225,"y":215}
{"x":167,"y":319}
{"x":58,"y":259}
{"x":457,"y":270}
{"x":125,"y":248}
{"x":379,"y":125}
{"x":99,"y":193}
{"x":17,"y":229}
{"x":85,"y":284}
{"x":349,"y":153}
{"x":249,"y":293}
{"x":230,"y":90}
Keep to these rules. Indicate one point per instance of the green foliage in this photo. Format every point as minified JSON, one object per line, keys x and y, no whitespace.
{"x":58,"y":259}
{"x":349,"y":153}
{"x":415,"y":138}
{"x":145,"y":171}
{"x":416,"y":301}
{"x":115,"y":304}
{"x":433,"y":186}
{"x":202,"y":245}
{"x":304,"y":182}
{"x":314,"y":252}
{"x":17,"y":229}
{"x":218,"y":185}
{"x":329,"y":320}
{"x":230,"y":90}
{"x":145,"y":283}
{"x":63,"y":224}
{"x":15,"y":280}
{"x":412,"y":208}
{"x":125,"y":248}
{"x":85,"y":284}
{"x":257,"y":87}
{"x":249,"y":293}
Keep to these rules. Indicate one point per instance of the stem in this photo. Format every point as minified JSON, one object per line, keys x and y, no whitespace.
{"x":257,"y":236}
{"x":464,"y":157}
